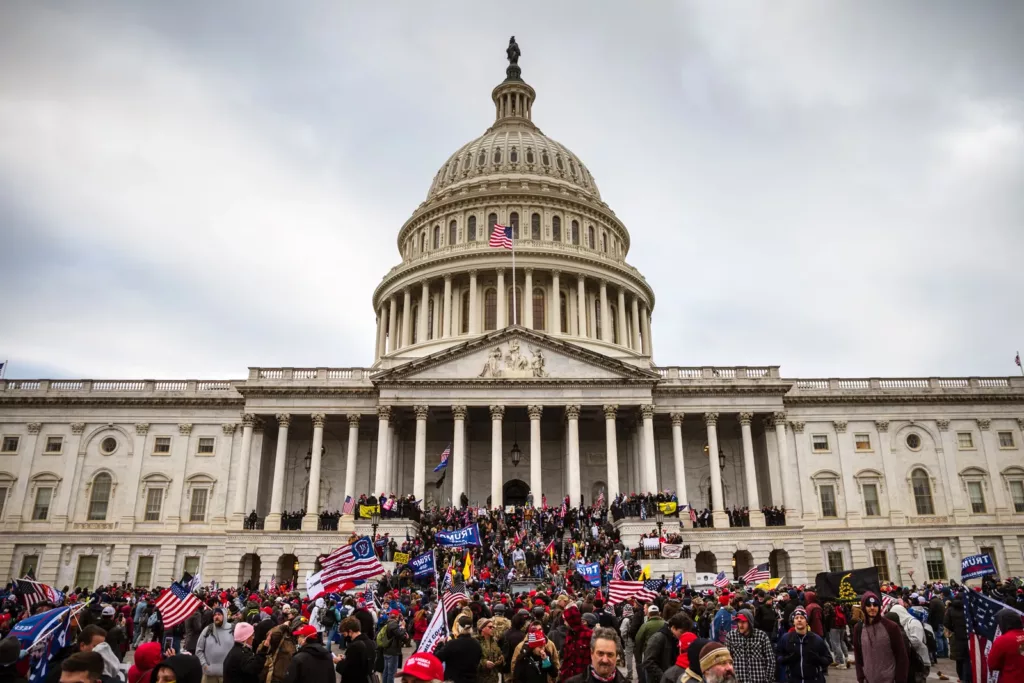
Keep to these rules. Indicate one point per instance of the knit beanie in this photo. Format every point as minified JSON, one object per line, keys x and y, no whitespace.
{"x":714,"y":654}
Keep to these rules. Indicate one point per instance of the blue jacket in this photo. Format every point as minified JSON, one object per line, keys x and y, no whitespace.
{"x":722,"y":624}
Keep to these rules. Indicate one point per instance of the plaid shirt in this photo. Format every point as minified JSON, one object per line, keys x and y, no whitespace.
{"x":752,"y":656}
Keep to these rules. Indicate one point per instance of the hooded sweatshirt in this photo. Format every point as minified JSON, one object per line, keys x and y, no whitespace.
{"x":214,"y":645}
{"x":111,"y":662}
{"x":878,"y":648}
{"x":147,"y":656}
{"x":914,"y":630}
{"x":815,"y":619}
{"x":186,"y":668}
{"x":1007,"y":654}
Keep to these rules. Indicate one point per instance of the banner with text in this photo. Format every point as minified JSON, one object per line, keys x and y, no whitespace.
{"x":423,"y":565}
{"x":436,"y":630}
{"x":976,"y":566}
{"x":591,"y":572}
{"x":469,"y":535}
{"x":401,"y":558}
{"x":671,"y":551}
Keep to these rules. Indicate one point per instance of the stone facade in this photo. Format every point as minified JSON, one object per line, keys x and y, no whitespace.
{"x":103,"y":479}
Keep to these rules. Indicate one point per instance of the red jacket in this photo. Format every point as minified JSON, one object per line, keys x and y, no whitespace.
{"x":1006,"y":658}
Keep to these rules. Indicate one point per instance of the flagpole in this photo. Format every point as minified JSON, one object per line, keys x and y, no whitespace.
{"x":1019,"y":366}
{"x":515,"y":308}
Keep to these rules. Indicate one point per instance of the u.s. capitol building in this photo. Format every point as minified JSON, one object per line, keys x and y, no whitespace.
{"x":106,"y":479}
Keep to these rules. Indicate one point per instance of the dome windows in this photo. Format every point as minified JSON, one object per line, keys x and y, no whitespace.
{"x":492,"y":220}
{"x":558,"y":162}
{"x":535,"y":227}
{"x":545,"y":159}
{"x":497,"y":155}
{"x":529,"y":155}
{"x":513,"y":156}
{"x":604,"y":242}
{"x":513,"y":220}
{"x":437,"y":237}
{"x":574,"y":233}
{"x":538,"y":309}
{"x":572,"y":168}
{"x":481,"y":159}
{"x":471,"y":229}
{"x":490,"y":309}
{"x":453,"y":233}
{"x":590,"y":236}
{"x":556,"y":228}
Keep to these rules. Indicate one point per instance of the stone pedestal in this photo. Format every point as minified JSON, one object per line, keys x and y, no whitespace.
{"x":757,"y":518}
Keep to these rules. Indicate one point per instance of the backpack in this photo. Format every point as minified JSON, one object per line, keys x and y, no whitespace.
{"x":329,"y":617}
{"x":383,"y":641}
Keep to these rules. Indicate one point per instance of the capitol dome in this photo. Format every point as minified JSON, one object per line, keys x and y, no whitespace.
{"x":569,"y":277}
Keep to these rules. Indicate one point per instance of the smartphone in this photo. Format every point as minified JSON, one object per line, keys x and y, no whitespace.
{"x":168,"y":643}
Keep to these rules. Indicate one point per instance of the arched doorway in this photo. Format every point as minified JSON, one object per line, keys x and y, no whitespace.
{"x":778,"y":563}
{"x":249,"y":570}
{"x":287,"y":569}
{"x":514,"y":492}
{"x":742,"y":560}
{"x":706,"y":562}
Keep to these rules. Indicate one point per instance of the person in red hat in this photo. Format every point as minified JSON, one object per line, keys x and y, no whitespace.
{"x":312,"y":662}
{"x":422,"y":666}
{"x":534,"y":664}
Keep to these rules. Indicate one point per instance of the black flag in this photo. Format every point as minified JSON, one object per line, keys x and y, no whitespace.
{"x":847,"y":586}
{"x":440,"y":480}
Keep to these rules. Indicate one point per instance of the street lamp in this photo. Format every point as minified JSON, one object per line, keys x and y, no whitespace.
{"x":516,"y":453}
{"x":659,"y":517}
{"x":308,"y":460}
{"x":374,"y":521}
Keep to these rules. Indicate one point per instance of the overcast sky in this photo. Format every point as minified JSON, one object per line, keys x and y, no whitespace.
{"x":191,"y":188}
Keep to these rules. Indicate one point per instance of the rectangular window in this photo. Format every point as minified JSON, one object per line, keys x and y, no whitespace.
{"x":154,"y":502}
{"x":819,"y":442}
{"x":162,"y":445}
{"x":835,"y":560}
{"x":144,"y":571}
{"x":29,"y":565}
{"x":991,"y":552}
{"x":964,"y":440}
{"x":206,"y":444}
{"x":197,"y":509}
{"x":1006,"y":440}
{"x":871,"y":506}
{"x":10,"y":444}
{"x":977,"y":497}
{"x":41,"y":509}
{"x":862,"y":442}
{"x":1016,"y":492}
{"x":54,"y":444}
{"x":935,"y":563}
{"x":191,"y":565}
{"x":828,"y":500}
{"x":880,"y":559}
{"x":85,"y":576}
{"x":3,"y":499}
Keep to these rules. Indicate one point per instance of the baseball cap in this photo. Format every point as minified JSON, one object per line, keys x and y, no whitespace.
{"x":304,"y":631}
{"x":653,"y":609}
{"x":108,"y":611}
{"x":423,"y":666}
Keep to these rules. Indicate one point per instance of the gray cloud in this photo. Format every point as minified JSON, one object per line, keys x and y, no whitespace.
{"x":187,"y":190}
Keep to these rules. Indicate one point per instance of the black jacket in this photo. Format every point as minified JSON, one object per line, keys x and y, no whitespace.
{"x":8,"y":674}
{"x":660,"y":653}
{"x":358,"y":663}
{"x":242,"y":665}
{"x":461,"y":657}
{"x":766,"y":619}
{"x":260,"y":631}
{"x":587,"y":677}
{"x":806,"y":657}
{"x":311,"y":664}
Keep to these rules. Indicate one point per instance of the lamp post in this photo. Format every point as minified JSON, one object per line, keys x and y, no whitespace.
{"x":659,"y":517}
{"x":516,"y":453}
{"x":374,"y":521}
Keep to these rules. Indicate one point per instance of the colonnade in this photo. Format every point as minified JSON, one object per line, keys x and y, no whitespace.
{"x":572,"y":304}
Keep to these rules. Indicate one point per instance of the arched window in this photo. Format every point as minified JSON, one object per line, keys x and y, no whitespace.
{"x":558,"y":161}
{"x":922,"y":485}
{"x":513,"y":220}
{"x":490,"y":309}
{"x":465,"y":312}
{"x":556,"y":228}
{"x":415,"y":323}
{"x":539,"y":321}
{"x":529,"y":155}
{"x":492,"y":220}
{"x":563,"y":312}
{"x":99,"y":497}
{"x":497,"y":155}
{"x":513,"y":155}
{"x":437,"y":237}
{"x":482,"y":159}
{"x":545,"y":159}
{"x":590,"y":236}
{"x":535,"y":226}
{"x":572,"y":168}
{"x":471,"y":229}
{"x":604,"y":242}
{"x":423,"y":242}
{"x":453,"y":233}
{"x":574,"y":233}
{"x":612,"y":317}
{"x":465,"y":163}
{"x":518,"y":305}
{"x":430,"y":318}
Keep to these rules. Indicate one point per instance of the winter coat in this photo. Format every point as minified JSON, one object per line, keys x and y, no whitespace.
{"x":936,"y":613}
{"x":805,"y":657}
{"x":1007,"y":653}
{"x":311,"y":664}
{"x":279,"y":655}
{"x":461,"y":657}
{"x":765,"y":618}
{"x":722,"y":624}
{"x":357,"y":667}
{"x":660,"y":653}
{"x":397,"y":638}
{"x":186,"y":668}
{"x":147,"y":656}
{"x":956,"y":622}
{"x":650,"y":627}
{"x":915,"y":632}
{"x":576,"y":653}
{"x":242,"y":665}
{"x":530,"y":669}
{"x":490,"y":652}
{"x":752,"y":656}
{"x":588,"y":677}
{"x":863,"y":644}
{"x":213,"y":646}
{"x":193,"y":627}
{"x":815,"y":617}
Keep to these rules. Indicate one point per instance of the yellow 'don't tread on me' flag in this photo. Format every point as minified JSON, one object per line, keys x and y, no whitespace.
{"x":367,"y":510}
{"x":467,"y":570}
{"x":645,"y":573}
{"x":769,"y":585}
{"x":668,"y":508}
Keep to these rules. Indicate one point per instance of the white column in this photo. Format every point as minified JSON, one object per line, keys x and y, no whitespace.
{"x":421,"y":331}
{"x":850,"y":499}
{"x":273,"y":521}
{"x":458,"y":454}
{"x":581,"y":304}
{"x":420,"y":455}
{"x":808,"y":496}
{"x":949,"y":456}
{"x":393,"y":324}
{"x":497,"y":414}
{"x":536,"y":488}
{"x":641,"y":461}
{"x":350,"y":460}
{"x":527,"y":302}
{"x":130,"y":488}
{"x":611,"y":446}
{"x":572,"y":414}
{"x":380,"y":470}
{"x":717,"y":503}
{"x":474,"y":314}
{"x":635,"y":310}
{"x":677,"y":457}
{"x":446,"y":329}
{"x":645,"y":325}
{"x":753,"y":499}
{"x":893,"y":483}
{"x":242,"y":483}
{"x":392,"y":460}
{"x":310,"y":521}
{"x":790,"y":499}
{"x":406,"y":317}
{"x":382,"y":332}
{"x":621,"y":314}
{"x":989,"y":449}
{"x":502,"y":306}
{"x":605,"y":333}
{"x":556,"y":304}
{"x":650,"y":462}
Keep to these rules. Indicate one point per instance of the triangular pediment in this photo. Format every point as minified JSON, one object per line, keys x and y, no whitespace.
{"x":515,"y":354}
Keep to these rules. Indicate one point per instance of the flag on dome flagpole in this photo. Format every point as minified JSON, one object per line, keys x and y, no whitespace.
{"x":1017,"y":361}
{"x":502,"y":238}
{"x":757,"y":574}
{"x":445,"y":454}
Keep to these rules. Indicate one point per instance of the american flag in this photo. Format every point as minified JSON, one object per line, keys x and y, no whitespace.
{"x":349,"y":506}
{"x":34,"y":592}
{"x":450,"y":598}
{"x":887,"y":602}
{"x":1017,"y":359}
{"x":354,"y":562}
{"x":619,"y":591}
{"x":693,"y":515}
{"x":445,"y":454}
{"x":501,"y":236}
{"x":599,"y":503}
{"x":721,"y":581}
{"x":618,"y":568}
{"x":176,"y":604}
{"x":757,"y":574}
{"x":370,"y":596}
{"x":982,"y":630}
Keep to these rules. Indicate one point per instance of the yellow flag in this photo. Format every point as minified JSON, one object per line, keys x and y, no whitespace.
{"x":467,"y":570}
{"x":668,"y":508}
{"x":769,"y":585}
{"x":645,"y":573}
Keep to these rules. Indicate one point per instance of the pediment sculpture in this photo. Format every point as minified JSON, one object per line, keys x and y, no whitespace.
{"x":514,"y":363}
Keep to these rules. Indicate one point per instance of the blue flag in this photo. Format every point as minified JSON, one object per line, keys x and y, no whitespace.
{"x":469,"y":535}
{"x":445,"y":454}
{"x":46,"y":634}
{"x":422,"y":565}
{"x":976,"y":566}
{"x":591,"y":572}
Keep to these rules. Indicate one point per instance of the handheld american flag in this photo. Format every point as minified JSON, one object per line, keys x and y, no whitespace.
{"x":445,"y":454}
{"x":624,"y":590}
{"x":353,"y":562}
{"x":982,"y":629}
{"x":176,"y":604}
{"x":619,"y":567}
{"x":757,"y":574}
{"x":721,"y":581}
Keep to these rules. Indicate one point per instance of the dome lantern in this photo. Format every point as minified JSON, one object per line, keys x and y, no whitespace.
{"x":513,"y":98}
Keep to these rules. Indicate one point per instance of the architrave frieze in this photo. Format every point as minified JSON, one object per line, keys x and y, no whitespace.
{"x":725,"y":388}
{"x":859,"y":398}
{"x":90,"y":399}
{"x":307,"y":389}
